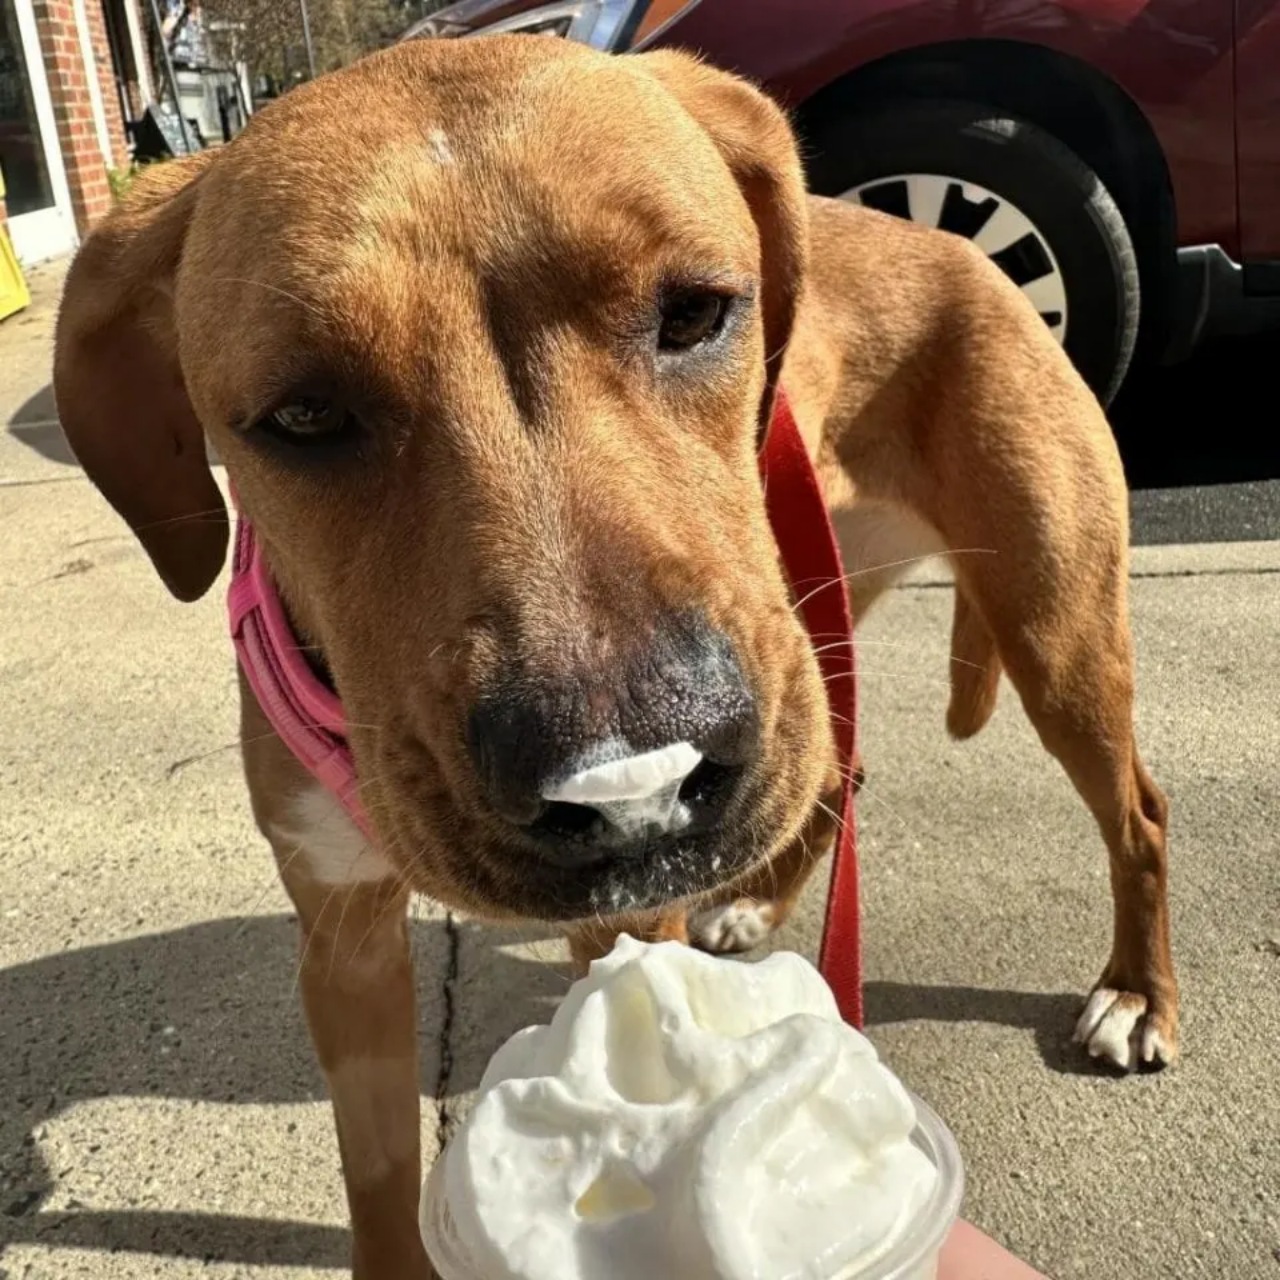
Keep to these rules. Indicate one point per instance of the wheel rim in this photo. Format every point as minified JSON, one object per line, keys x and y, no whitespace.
{"x":996,"y":225}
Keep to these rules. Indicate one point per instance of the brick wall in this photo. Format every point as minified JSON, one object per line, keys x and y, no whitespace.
{"x":73,"y":107}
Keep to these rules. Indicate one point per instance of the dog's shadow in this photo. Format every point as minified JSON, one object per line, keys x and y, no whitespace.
{"x":209,"y":1013}
{"x":1050,"y":1016}
{"x":35,"y":424}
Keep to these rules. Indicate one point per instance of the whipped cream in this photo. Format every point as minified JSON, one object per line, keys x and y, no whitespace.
{"x":634,"y":792}
{"x":683,"y":1117}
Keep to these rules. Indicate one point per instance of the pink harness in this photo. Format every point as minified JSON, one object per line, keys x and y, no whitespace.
{"x":300,"y":707}
{"x":309,"y":719}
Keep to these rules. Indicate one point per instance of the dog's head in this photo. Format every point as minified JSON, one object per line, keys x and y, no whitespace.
{"x":486,"y":333}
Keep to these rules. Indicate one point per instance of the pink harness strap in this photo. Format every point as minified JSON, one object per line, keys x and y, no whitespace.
{"x":301,"y":709}
{"x":309,"y":719}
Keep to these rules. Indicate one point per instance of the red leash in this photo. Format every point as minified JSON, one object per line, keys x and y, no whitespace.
{"x":811,"y":556}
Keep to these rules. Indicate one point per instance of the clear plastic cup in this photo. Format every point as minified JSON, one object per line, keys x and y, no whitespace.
{"x":914,"y":1256}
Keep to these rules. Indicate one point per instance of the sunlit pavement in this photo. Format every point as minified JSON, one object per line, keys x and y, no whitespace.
{"x":160,"y":1112}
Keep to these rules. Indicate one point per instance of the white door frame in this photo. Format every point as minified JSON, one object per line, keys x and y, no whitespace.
{"x":45,"y":233}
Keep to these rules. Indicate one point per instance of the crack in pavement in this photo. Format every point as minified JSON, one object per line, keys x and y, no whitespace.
{"x":10,"y":482}
{"x":453,"y":938}
{"x":1259,"y":571}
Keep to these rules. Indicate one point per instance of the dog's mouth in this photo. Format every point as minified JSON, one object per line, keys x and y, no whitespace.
{"x":506,"y":875}
{"x":663,"y":871}
{"x":578,"y":835}
{"x":670,"y":872}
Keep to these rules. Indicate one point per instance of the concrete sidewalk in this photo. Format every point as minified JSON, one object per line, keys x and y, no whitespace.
{"x":160,"y":1111}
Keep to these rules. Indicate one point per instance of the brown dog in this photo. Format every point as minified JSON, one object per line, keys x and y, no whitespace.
{"x":485,"y":333}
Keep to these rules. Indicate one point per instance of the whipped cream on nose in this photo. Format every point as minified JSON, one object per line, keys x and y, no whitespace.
{"x":634,"y":792}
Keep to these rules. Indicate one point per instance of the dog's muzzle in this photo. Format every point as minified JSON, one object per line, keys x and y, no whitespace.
{"x":615,"y":762}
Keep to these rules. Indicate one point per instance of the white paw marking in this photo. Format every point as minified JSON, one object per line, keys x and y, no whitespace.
{"x":1115,"y":1028}
{"x":320,"y":833}
{"x":736,"y":926}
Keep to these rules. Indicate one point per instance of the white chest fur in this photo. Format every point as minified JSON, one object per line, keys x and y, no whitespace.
{"x":318,"y":831}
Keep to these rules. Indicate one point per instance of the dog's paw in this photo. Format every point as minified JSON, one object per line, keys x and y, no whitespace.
{"x":1119,"y":1028}
{"x":734,"y":926}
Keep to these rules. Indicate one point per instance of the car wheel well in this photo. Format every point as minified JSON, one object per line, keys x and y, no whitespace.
{"x":1070,"y":100}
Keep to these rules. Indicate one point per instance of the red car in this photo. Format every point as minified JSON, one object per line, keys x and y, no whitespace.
{"x":1120,"y":159}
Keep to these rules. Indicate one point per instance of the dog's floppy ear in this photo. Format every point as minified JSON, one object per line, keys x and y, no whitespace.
{"x":755,"y":139}
{"x":119,"y":387}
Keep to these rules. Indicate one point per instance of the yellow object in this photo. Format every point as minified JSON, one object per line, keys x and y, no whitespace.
{"x":14,"y":295}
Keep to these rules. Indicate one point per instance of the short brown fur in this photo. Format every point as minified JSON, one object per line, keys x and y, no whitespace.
{"x":457,"y":235}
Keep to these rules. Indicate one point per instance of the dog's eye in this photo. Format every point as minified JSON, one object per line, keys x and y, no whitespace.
{"x":307,"y":421}
{"x":691,"y":317}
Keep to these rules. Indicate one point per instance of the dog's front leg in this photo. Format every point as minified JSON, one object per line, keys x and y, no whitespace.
{"x":741,"y":918}
{"x":590,"y":940}
{"x":357,"y":987}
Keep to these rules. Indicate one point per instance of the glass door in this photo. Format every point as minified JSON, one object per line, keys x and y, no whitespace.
{"x":36,"y":194}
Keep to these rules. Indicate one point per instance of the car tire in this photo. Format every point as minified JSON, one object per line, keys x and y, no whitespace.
{"x":1030,"y":202}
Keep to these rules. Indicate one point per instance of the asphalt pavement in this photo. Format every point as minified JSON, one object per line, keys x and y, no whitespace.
{"x":1202,"y":447}
{"x":160,"y":1111}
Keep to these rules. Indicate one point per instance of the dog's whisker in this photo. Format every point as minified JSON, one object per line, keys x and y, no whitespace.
{"x":452,"y":658}
{"x":887,"y":564}
{"x":399,"y":884}
{"x":250,"y":910}
{"x":215,"y":515}
{"x":876,"y":796}
{"x":889,"y":644}
{"x":272,"y":288}
{"x":239,"y":744}
{"x":887,"y":675}
{"x":777,"y":353}
{"x":309,"y":932}
{"x":337,"y":812}
{"x":896,"y":644}
{"x":342,"y":915}
{"x":807,"y":846}
{"x":361,"y":724}
{"x":365,"y":783}
{"x":774,"y":884}
{"x":831,"y":813}
{"x":545,"y":951}
{"x":374,"y":922}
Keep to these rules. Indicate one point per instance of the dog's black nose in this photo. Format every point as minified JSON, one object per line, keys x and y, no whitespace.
{"x":601,"y":763}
